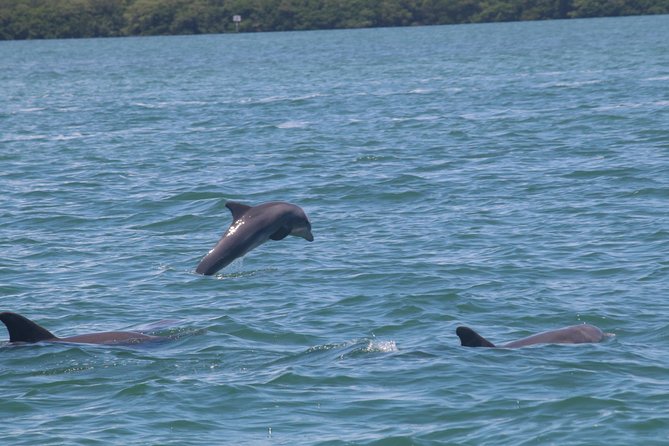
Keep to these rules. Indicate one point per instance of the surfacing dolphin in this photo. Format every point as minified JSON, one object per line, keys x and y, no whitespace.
{"x":22,"y":329}
{"x":575,"y":334}
{"x":251,"y":227}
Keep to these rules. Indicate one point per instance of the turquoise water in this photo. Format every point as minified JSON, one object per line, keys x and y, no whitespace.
{"x":510,"y":177}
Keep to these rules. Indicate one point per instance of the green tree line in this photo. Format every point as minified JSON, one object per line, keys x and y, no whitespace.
{"x":44,"y":19}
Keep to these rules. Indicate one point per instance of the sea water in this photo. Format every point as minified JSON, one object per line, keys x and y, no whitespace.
{"x":511,"y":177}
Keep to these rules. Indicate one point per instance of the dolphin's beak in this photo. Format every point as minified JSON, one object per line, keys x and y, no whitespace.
{"x":309,"y":237}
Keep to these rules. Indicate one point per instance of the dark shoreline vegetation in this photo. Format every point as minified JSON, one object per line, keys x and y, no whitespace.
{"x":47,"y":19}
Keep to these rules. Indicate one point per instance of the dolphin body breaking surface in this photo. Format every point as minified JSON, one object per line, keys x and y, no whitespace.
{"x":575,"y":334}
{"x":22,"y":329}
{"x":251,"y":227}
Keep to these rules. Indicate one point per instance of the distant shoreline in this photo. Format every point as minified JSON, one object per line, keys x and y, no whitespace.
{"x":51,"y":19}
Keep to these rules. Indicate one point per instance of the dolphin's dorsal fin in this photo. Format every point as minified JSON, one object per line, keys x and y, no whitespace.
{"x":22,"y":329}
{"x":237,"y":209}
{"x":281,"y":234}
{"x":470,"y":338}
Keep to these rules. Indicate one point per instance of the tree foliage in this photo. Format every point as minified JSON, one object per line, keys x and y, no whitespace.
{"x":43,"y":19}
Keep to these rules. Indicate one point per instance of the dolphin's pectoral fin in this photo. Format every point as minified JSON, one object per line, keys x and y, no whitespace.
{"x":470,"y":338}
{"x":281,"y":234}
{"x":237,"y":209}
{"x":22,"y":329}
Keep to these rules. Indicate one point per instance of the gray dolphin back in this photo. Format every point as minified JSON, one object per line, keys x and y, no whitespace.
{"x":22,"y":329}
{"x":575,"y":334}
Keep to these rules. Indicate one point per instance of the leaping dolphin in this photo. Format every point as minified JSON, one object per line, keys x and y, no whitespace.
{"x":575,"y":334}
{"x":22,"y":329}
{"x":251,"y":227}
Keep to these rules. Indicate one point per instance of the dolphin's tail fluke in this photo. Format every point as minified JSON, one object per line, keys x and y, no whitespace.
{"x":470,"y":338}
{"x":22,"y":329}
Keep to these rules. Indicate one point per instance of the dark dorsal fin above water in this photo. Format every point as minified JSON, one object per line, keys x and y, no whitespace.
{"x":237,"y":209}
{"x":281,"y":234}
{"x":470,"y":338}
{"x":22,"y":329}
